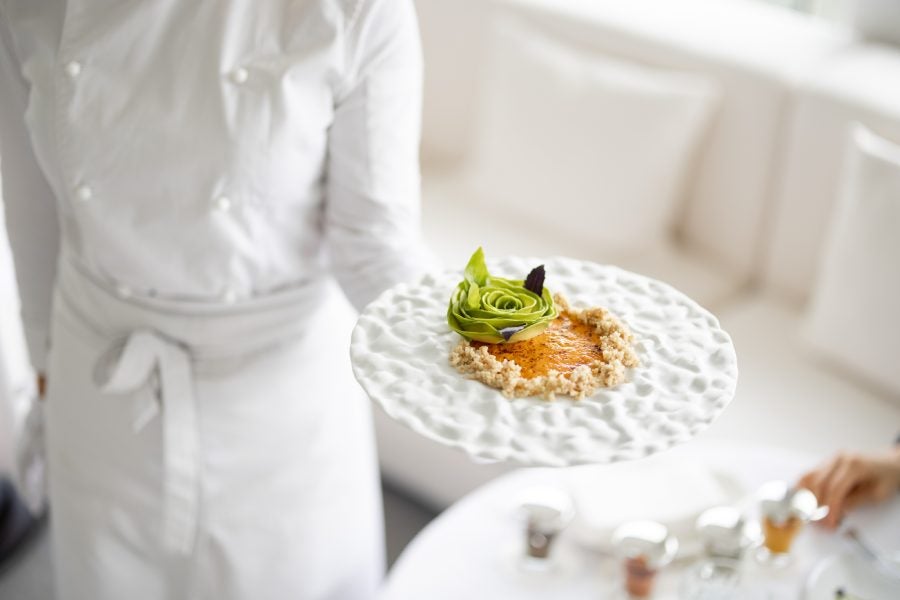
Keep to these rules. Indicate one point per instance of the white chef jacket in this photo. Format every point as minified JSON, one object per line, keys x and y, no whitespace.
{"x":179,"y":156}
{"x":209,"y":151}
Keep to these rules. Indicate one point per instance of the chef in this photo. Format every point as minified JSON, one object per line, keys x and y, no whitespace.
{"x":183,"y":181}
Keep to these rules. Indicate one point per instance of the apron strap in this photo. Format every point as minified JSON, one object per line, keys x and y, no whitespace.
{"x":147,"y":355}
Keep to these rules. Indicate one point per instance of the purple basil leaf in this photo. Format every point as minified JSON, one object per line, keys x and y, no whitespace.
{"x":508,"y":332}
{"x":535,"y":280}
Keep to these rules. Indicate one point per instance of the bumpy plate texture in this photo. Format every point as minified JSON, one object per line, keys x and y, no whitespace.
{"x":401,"y":346}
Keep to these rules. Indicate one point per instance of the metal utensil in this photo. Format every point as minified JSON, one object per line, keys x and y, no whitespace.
{"x":546,"y":511}
{"x":841,"y":593}
{"x":725,"y":533}
{"x":820,"y":513}
{"x":873,"y":556}
{"x":648,"y":540}
{"x":781,"y":501}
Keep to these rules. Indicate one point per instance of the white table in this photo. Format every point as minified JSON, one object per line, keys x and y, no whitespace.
{"x":467,"y":552}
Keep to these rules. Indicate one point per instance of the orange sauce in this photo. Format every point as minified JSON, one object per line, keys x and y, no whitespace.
{"x":564,"y":345}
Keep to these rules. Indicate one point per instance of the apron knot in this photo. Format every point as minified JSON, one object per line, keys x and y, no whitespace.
{"x":148,"y":359}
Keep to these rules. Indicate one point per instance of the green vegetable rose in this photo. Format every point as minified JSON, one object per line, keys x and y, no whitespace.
{"x":491,"y":309}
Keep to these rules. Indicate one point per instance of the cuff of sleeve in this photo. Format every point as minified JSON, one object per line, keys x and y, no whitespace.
{"x":363,"y":283}
{"x":38,"y":341}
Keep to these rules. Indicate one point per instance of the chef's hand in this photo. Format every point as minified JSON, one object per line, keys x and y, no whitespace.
{"x":850,"y":479}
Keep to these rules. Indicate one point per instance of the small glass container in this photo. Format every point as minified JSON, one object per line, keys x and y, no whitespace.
{"x":726,"y":537}
{"x":784,"y":510}
{"x":546,"y":512}
{"x":712,"y":579}
{"x":644,"y":547}
{"x":725,"y":533}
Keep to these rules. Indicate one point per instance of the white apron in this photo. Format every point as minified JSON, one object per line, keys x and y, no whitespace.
{"x":208,"y":451}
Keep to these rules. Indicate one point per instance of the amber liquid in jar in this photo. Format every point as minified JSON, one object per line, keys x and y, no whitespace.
{"x":639,"y":577}
{"x":780,"y":536}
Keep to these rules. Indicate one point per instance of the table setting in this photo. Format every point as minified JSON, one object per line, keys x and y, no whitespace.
{"x":478,"y":547}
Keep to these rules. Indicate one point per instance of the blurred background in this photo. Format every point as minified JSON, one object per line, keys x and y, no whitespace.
{"x":739,"y":150}
{"x":745,"y":151}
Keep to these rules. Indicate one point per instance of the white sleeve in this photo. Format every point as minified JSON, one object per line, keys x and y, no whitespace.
{"x":372,"y":215}
{"x":31,"y":220}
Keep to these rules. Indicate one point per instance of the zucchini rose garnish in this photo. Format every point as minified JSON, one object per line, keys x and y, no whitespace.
{"x":484,"y":308}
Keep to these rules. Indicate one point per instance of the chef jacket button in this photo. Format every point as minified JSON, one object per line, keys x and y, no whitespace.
{"x":223,"y":204}
{"x":73,"y":69}
{"x":229,"y":296}
{"x":84,"y":193}
{"x":123,"y":290}
{"x":240,"y":75}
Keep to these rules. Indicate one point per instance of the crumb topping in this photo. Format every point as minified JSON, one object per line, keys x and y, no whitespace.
{"x":581,"y":351}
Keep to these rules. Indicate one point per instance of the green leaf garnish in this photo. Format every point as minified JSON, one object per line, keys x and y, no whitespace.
{"x":492,"y":309}
{"x":476,"y":270}
{"x":474,"y":297}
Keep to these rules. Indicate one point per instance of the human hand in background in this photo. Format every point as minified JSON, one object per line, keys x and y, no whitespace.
{"x":850,"y":479}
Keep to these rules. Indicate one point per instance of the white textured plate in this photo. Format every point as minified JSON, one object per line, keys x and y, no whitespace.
{"x":401,"y":346}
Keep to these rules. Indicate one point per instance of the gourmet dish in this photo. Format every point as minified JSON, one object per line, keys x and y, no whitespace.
{"x":402,"y":342}
{"x":525,"y":341}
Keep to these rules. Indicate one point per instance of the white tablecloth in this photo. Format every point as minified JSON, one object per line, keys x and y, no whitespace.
{"x":470,"y":551}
